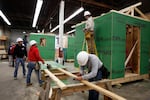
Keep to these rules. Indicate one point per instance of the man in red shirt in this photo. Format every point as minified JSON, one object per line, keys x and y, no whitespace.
{"x":33,"y":58}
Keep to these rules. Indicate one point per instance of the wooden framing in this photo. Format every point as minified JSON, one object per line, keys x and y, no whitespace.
{"x":55,"y":79}
{"x":132,"y":49}
{"x":78,"y":87}
{"x":102,"y":86}
{"x":130,"y":10}
{"x":95,"y":87}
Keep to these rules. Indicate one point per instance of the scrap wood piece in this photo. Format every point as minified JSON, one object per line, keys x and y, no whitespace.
{"x":95,"y":87}
{"x":55,"y":79}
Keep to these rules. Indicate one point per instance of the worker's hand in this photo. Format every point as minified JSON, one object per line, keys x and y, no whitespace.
{"x":84,"y":30}
{"x":27,"y":59}
{"x":43,"y":62}
{"x":24,"y":58}
{"x":79,"y":78}
{"x":78,"y":74}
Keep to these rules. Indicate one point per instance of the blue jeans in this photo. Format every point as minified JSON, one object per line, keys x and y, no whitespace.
{"x":94,"y":95}
{"x":31,"y":66}
{"x":19,"y":60}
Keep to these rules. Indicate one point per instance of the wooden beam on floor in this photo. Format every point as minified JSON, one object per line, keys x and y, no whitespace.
{"x":130,"y":78}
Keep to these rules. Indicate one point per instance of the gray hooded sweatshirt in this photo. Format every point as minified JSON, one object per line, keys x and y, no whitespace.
{"x":93,"y":65}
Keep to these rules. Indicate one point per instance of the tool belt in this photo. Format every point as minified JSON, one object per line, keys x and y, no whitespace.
{"x":88,"y":34}
{"x":37,"y":66}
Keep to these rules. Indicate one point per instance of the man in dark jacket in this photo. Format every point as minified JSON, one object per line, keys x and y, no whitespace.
{"x":20,"y":54}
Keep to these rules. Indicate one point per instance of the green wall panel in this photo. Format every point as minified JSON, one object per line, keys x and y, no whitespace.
{"x":70,"y":49}
{"x":47,"y":51}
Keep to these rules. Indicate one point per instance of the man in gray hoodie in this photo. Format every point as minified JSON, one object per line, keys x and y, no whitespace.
{"x":94,"y":66}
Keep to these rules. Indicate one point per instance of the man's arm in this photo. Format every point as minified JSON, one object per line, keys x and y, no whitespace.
{"x":94,"y":70}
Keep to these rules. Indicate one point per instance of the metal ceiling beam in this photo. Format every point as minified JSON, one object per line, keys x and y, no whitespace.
{"x":92,"y":2}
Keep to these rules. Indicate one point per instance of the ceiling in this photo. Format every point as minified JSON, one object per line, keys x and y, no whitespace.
{"x":20,"y":12}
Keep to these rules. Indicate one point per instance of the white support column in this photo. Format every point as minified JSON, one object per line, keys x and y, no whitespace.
{"x":61,"y":29}
{"x":61,"y":20}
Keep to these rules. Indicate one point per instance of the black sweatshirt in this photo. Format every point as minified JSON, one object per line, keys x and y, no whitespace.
{"x":20,"y":51}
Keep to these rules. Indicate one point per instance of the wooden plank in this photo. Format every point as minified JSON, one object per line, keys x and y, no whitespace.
{"x":3,"y":52}
{"x":2,"y":47}
{"x":137,"y":10}
{"x":95,"y":87}
{"x":130,"y":54}
{"x":55,"y":79}
{"x":58,"y":94}
{"x":3,"y":38}
{"x":62,"y":75}
{"x":132,"y":6}
{"x":129,"y":79}
{"x":71,"y":88}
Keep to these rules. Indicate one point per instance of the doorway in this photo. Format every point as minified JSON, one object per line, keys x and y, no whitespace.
{"x":132,"y":62}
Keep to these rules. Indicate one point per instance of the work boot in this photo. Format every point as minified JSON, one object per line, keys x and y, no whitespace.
{"x":15,"y":78}
{"x":29,"y":84}
{"x":24,"y":76}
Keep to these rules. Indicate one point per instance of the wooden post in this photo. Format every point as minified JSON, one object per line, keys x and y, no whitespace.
{"x":55,"y":79}
{"x":95,"y":87}
{"x":108,"y":87}
{"x":44,"y":93}
{"x":58,"y":94}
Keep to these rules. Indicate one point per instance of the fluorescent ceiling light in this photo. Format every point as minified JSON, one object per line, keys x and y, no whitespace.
{"x":69,"y":18}
{"x":4,"y":18}
{"x":74,"y":14}
{"x":71,"y":31}
{"x":55,"y":28}
{"x":24,"y":32}
{"x":37,"y":12}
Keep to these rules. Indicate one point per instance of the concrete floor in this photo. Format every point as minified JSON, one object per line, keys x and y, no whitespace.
{"x":17,"y":90}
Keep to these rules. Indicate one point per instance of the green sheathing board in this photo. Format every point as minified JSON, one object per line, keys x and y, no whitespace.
{"x":118,"y":44}
{"x":103,"y":31}
{"x":70,"y":49}
{"x":79,"y":37}
{"x":110,"y":38}
{"x":47,"y":52}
